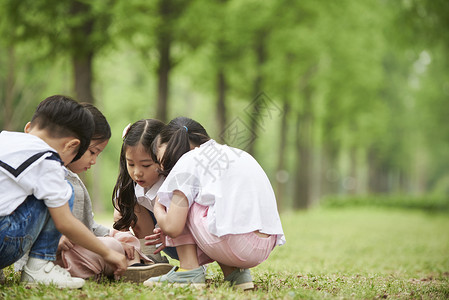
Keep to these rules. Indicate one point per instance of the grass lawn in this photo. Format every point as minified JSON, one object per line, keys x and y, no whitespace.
{"x":361,"y":253}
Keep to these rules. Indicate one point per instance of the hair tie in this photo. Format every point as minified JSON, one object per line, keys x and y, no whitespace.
{"x":125,"y":130}
{"x":187,"y":129}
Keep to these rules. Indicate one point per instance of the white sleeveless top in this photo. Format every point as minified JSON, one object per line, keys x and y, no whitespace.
{"x":232,"y":184}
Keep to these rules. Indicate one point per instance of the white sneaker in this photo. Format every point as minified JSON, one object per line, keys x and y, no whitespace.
{"x":18,"y":265}
{"x":51,"y":274}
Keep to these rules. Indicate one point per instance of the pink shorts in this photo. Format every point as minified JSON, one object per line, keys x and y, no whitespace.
{"x":245,"y":250}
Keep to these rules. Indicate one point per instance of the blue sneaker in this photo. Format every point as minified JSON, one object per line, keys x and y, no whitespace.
{"x":195,"y":278}
{"x":241,"y":279}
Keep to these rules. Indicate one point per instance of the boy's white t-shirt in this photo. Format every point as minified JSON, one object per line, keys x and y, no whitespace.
{"x":232,"y":184}
{"x":44,"y":178}
{"x":147,"y":199}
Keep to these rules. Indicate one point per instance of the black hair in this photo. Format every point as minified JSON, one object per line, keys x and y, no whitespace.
{"x":102,"y":131}
{"x":62,"y":117}
{"x":123,"y":195}
{"x":179,"y":134}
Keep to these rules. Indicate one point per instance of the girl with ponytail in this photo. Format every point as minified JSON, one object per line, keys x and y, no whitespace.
{"x":216,"y":204}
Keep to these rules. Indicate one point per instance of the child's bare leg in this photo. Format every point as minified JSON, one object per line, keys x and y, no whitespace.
{"x":145,"y":224}
{"x":226,"y":269}
{"x":187,"y":256}
{"x":135,"y":260}
{"x":237,"y":277}
{"x":143,"y":228}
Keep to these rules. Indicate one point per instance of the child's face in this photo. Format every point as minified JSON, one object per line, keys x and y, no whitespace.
{"x":141,"y":167}
{"x":161,"y":151}
{"x":89,"y":158}
{"x":67,"y":156}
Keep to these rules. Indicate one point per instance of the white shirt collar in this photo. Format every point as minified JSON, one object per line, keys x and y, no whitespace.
{"x":152,"y":192}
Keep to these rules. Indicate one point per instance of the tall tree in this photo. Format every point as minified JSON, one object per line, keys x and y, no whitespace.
{"x":22,"y":70}
{"x":78,"y":29}
{"x":158,"y":31}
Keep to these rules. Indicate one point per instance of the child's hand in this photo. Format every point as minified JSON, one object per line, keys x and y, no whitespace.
{"x":118,"y":260}
{"x":129,"y":251}
{"x":64,"y":244}
{"x":157,"y":238}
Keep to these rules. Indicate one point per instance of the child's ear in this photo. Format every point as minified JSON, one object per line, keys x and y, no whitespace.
{"x":72,"y":145}
{"x":27,"y":127}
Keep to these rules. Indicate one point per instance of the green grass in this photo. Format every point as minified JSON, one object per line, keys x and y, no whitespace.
{"x":361,"y":253}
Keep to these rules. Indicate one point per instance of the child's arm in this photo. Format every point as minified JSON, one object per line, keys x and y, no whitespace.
{"x":144,"y":225}
{"x":172,"y":222}
{"x":75,"y":230}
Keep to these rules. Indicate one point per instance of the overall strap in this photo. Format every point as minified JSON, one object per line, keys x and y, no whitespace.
{"x":29,"y":162}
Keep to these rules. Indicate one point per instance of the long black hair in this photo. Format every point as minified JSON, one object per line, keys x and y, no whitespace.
{"x":123,"y":197}
{"x":102,"y":131}
{"x":179,"y":134}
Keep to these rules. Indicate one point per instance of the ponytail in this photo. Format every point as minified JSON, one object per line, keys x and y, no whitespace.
{"x":177,"y":146}
{"x":179,"y":135}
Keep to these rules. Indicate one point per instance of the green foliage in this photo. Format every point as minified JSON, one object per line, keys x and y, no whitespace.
{"x":367,"y":79}
{"x":74,"y":27}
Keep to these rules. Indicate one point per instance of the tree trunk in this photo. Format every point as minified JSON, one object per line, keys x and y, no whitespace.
{"x":281,"y":174}
{"x":82,"y":74}
{"x":164,"y":40}
{"x":351,"y":180}
{"x":82,"y":55}
{"x":257,"y":88}
{"x":302,"y":187}
{"x":221,"y":103}
{"x":304,"y":144}
{"x":82,"y":52}
{"x":9,"y":91}
{"x":330,"y":178}
{"x":378,"y":174}
{"x":163,"y":77}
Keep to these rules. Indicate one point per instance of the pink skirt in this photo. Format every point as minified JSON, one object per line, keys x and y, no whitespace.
{"x":235,"y":250}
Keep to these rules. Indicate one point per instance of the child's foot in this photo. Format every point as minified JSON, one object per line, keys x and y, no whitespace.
{"x":157,"y":258}
{"x":50,"y":273}
{"x":140,"y":272}
{"x":193,"y":277}
{"x":241,"y":278}
{"x":148,"y":250}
